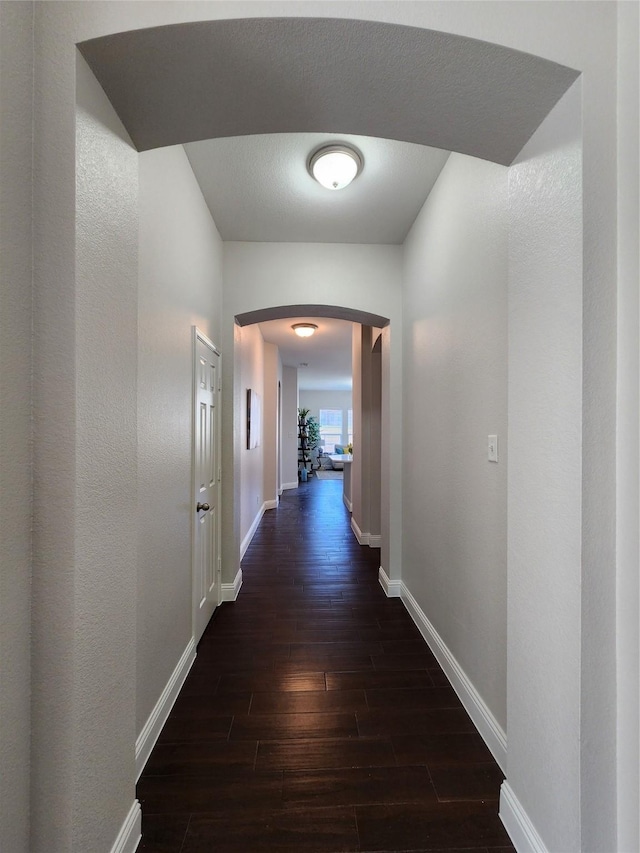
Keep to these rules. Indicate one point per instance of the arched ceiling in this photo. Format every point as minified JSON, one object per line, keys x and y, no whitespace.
{"x":337,"y":312}
{"x":323,"y":360}
{"x":189,"y":82}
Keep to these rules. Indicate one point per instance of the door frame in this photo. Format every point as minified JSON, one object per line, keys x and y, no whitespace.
{"x":198,"y":335}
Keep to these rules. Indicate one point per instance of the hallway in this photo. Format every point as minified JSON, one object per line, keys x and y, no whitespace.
{"x":315,"y":718}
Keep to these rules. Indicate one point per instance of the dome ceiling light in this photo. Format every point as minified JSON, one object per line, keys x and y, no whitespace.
{"x":304,"y":330}
{"x":335,"y":166}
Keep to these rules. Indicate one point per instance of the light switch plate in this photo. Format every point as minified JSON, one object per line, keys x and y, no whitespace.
{"x":492,"y":448}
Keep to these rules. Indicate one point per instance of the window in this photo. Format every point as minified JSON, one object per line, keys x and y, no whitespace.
{"x":350,"y":425}
{"x":330,"y":429}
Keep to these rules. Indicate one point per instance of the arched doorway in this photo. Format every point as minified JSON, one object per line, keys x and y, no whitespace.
{"x":374,"y":487}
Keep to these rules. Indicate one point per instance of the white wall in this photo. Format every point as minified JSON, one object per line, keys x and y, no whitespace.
{"x":356,"y":481}
{"x":251,"y":461}
{"x":316,"y":400}
{"x":180,"y":286}
{"x":290,"y":427}
{"x":365,"y":480}
{"x":545,"y":482}
{"x":374,"y":461}
{"x":270,"y":423}
{"x":455,"y":395}
{"x":16,"y":294}
{"x":628,"y":581}
{"x":84,"y":592}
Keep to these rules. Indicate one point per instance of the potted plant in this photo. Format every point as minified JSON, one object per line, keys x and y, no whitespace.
{"x":313,"y":438}
{"x":308,"y":441}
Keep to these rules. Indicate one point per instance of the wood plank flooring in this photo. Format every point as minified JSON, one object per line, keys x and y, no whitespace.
{"x":315,"y":717}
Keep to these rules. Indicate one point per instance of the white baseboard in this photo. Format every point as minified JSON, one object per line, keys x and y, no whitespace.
{"x":271,"y":504}
{"x":252,"y":531}
{"x":293,"y":485}
{"x":229,"y":591}
{"x":363,"y":538}
{"x":347,"y":503}
{"x":491,"y":731}
{"x":516,"y":821}
{"x":375,"y":540}
{"x":130,"y":831}
{"x":147,"y":738}
{"x":391,"y":588}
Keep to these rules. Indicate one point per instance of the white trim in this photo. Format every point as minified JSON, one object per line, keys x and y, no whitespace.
{"x":130,"y":832}
{"x":347,"y":503}
{"x":489,"y":728}
{"x":230,"y":590}
{"x":252,"y":531}
{"x":293,"y":485}
{"x":271,"y":504}
{"x":392,"y":589}
{"x":516,"y":821}
{"x":375,"y":540}
{"x":363,"y":538}
{"x":147,"y":738}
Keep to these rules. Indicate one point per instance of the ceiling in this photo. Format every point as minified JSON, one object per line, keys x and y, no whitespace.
{"x":323,"y":360}
{"x":258,"y":188}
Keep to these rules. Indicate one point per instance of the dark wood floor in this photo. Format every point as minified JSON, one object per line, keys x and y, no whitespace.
{"x":315,"y":718}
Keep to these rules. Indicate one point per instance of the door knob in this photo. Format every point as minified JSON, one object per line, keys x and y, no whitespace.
{"x":200,"y":506}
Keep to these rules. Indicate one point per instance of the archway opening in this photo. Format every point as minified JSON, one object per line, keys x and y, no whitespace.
{"x":370,"y":484}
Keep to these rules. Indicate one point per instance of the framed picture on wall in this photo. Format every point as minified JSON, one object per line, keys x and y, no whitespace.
{"x":254,"y":420}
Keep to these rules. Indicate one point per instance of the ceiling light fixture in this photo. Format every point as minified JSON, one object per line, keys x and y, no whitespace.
{"x":304,"y":330}
{"x":335,"y":166}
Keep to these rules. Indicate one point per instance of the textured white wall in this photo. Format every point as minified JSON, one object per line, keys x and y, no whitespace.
{"x":356,"y":466}
{"x":392,"y":497}
{"x":180,"y":285}
{"x":251,"y":461}
{"x":269,"y":420}
{"x":455,"y":358}
{"x":290,"y":426}
{"x":545,"y":479}
{"x":628,"y":639}
{"x":375,"y":444}
{"x":362,"y":475}
{"x":15,"y":427}
{"x":98,"y":712}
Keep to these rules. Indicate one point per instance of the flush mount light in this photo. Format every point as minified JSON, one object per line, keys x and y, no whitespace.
{"x":335,"y":166}
{"x":304,"y":330}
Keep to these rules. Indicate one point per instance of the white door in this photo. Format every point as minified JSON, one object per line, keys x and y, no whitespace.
{"x":206,"y":480}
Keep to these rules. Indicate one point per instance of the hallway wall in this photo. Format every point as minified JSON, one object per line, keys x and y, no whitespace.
{"x":272,"y":374}
{"x":252,"y":362}
{"x":546,"y":760}
{"x":180,"y":285}
{"x":16,"y":340}
{"x":85,"y":506}
{"x":455,"y":356}
{"x":289,"y":449}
